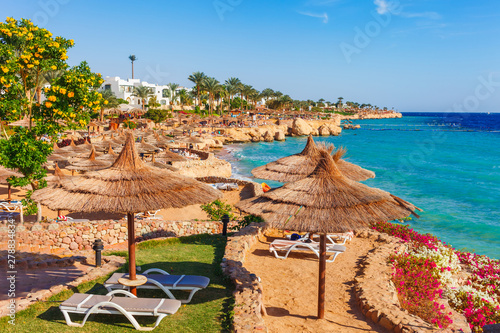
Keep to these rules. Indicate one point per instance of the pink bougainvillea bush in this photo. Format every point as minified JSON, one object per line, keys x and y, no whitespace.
{"x":424,"y":272}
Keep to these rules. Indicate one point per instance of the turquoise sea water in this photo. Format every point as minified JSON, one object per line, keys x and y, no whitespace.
{"x":448,"y":166}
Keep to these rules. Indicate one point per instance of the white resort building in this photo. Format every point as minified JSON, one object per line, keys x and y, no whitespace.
{"x":124,"y":89}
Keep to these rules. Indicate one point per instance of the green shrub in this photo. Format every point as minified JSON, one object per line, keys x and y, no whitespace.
{"x":217,"y":209}
{"x":249,"y":219}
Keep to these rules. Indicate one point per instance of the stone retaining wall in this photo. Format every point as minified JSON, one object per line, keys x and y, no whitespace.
{"x":73,"y":236}
{"x":377,"y":296}
{"x":249,"y":306}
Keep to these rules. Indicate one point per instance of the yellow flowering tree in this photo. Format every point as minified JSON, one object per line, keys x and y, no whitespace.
{"x":26,"y":53}
{"x":70,"y":100}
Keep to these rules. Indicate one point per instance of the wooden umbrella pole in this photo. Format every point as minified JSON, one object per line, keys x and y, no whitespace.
{"x":131,"y":250}
{"x":322,"y":276}
{"x":9,"y":192}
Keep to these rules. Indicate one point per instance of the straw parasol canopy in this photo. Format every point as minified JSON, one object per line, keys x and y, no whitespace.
{"x":58,"y":174}
{"x":326,"y":202}
{"x":74,"y":149}
{"x":88,"y":164}
{"x":4,"y":175}
{"x":142,"y":146}
{"x":298,"y":166}
{"x":110,"y":156}
{"x":25,"y":122}
{"x":128,"y":186}
{"x":170,"y":156}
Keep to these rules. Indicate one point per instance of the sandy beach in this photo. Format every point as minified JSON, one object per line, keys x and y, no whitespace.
{"x":291,"y":287}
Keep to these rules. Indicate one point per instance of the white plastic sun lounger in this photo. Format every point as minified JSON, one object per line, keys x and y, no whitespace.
{"x":130,"y":306}
{"x":289,"y":246}
{"x":339,"y":239}
{"x":163,"y":281}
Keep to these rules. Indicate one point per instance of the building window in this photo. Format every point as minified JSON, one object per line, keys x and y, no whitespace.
{"x":107,"y":87}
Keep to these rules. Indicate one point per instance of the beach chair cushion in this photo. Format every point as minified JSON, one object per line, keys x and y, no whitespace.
{"x":187,"y":281}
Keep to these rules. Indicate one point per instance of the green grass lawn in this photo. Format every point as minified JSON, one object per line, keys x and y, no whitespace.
{"x":209,"y":310}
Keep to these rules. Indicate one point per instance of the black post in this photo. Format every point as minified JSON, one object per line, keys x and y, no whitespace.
{"x":98,"y":246}
{"x":225,"y":221}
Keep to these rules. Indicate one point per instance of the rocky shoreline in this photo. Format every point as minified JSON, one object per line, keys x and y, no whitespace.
{"x":278,"y":130}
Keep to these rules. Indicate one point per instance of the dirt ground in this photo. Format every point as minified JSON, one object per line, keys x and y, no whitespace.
{"x":290,"y":290}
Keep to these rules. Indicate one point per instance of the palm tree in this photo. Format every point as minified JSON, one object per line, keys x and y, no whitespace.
{"x":184,"y":98}
{"x":143,"y":93}
{"x":132,"y":59}
{"x":113,"y":102}
{"x":286,"y":101}
{"x":254,"y":96}
{"x":232,"y":85}
{"x":211,"y":85}
{"x":245,"y":90}
{"x":277,"y":94}
{"x":172,"y":94}
{"x":339,"y":103}
{"x":198,"y":79}
{"x":267,"y":93}
{"x":219,"y":95}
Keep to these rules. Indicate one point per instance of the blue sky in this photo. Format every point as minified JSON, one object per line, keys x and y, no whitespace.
{"x":414,"y":55}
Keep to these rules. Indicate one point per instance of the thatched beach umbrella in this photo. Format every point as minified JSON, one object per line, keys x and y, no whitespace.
{"x":74,"y":149}
{"x":326,"y":202}
{"x":88,"y":164}
{"x":170,"y":156}
{"x":128,"y":186}
{"x":295,"y":167}
{"x":4,"y":175}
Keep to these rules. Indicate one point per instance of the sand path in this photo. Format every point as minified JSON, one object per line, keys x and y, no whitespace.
{"x":291,"y":287}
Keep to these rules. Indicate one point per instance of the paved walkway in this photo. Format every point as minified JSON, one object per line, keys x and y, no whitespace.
{"x":32,"y":280}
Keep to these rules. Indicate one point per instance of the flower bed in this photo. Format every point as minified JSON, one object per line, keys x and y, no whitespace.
{"x":425,"y":271}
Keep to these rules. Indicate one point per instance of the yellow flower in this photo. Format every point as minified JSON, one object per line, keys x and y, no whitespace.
{"x":71,"y":94}
{"x":106,"y":102}
{"x":5,"y":69}
{"x":25,"y":143}
{"x":52,"y":98}
{"x":48,"y":104}
{"x":53,"y":67}
{"x":46,"y":90}
{"x":62,"y":91}
{"x":30,"y":65}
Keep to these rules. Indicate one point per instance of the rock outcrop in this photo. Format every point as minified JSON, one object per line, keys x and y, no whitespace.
{"x":324,"y":130}
{"x":279,"y":135}
{"x":300,"y":127}
{"x":268,"y":137}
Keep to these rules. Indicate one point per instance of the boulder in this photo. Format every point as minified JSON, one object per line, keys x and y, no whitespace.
{"x":314,"y":132}
{"x":334,"y":130}
{"x":268,"y":137}
{"x":279,"y":135}
{"x":324,"y":130}
{"x":301,"y":127}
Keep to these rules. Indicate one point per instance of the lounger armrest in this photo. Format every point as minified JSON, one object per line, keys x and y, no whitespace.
{"x":121,"y":291}
{"x":155,"y":270}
